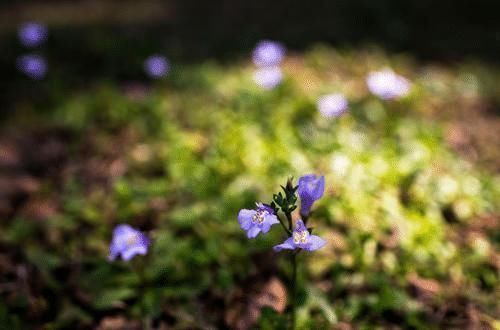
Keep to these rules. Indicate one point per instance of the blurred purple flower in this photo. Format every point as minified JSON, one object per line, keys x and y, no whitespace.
{"x":311,"y":188}
{"x":255,"y":221}
{"x":332,"y":105}
{"x":127,"y":242}
{"x":301,"y":239}
{"x":156,"y":66}
{"x":387,"y":85}
{"x":268,"y":53}
{"x":32,"y":34}
{"x":268,"y":78}
{"x":34,"y":66}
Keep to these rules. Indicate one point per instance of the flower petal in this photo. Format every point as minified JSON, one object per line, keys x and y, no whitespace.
{"x":134,"y":250}
{"x":315,"y":242}
{"x":245,"y":218}
{"x":253,"y":232}
{"x":299,"y":226}
{"x":320,"y":188}
{"x":286,"y":245}
{"x":269,"y":220}
{"x":122,"y":229}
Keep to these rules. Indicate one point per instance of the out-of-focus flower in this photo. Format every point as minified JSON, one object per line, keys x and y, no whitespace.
{"x":311,"y":188}
{"x":32,"y":34}
{"x":301,"y":239}
{"x":156,"y":66}
{"x":34,"y":66}
{"x":332,"y":105}
{"x":268,"y":78}
{"x":268,"y":53}
{"x":255,"y":221}
{"x":387,"y":85}
{"x":127,"y":242}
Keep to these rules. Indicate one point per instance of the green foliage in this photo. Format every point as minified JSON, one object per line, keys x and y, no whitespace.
{"x":207,"y":142}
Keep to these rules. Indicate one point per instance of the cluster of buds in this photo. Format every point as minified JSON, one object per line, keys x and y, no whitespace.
{"x":310,"y":188}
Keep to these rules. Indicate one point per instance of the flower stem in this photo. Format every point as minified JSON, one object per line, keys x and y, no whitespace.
{"x":284,"y":227}
{"x":293,"y":289}
{"x":290,"y":222}
{"x":139,"y":267}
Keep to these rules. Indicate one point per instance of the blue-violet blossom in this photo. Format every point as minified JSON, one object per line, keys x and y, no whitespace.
{"x":258,"y":220}
{"x":311,"y":188}
{"x":268,"y":78}
{"x":32,"y":34}
{"x":34,"y":66}
{"x":387,"y":85}
{"x":268,"y":53}
{"x":332,"y":105}
{"x":127,"y":242}
{"x":301,"y":239}
{"x":156,"y":66}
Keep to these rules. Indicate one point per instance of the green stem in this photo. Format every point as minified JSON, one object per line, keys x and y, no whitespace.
{"x":284,"y":226}
{"x":290,"y":222}
{"x":294,"y":289}
{"x":139,"y":267}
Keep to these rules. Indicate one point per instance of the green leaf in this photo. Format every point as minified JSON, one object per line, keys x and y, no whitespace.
{"x":113,"y":298}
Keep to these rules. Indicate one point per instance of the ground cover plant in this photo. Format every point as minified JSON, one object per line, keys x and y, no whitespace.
{"x":409,"y":212}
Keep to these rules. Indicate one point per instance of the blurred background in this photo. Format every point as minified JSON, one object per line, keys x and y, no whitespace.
{"x":150,"y":113}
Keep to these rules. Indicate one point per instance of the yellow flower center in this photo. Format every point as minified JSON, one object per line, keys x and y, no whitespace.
{"x":296,"y":237}
{"x":132,"y":239}
{"x":259,"y":216}
{"x":300,"y":237}
{"x":303,"y":236}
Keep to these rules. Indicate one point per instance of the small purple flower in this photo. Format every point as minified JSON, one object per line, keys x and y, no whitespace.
{"x":127,"y":242}
{"x":268,"y":78}
{"x":268,"y":53}
{"x":156,"y":66}
{"x":332,"y":105}
{"x":301,"y":239}
{"x":387,"y":85}
{"x":259,"y":220}
{"x":32,"y":34}
{"x":311,"y":188}
{"x":34,"y":66}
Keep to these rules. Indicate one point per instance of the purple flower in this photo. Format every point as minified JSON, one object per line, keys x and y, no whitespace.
{"x":32,"y":34}
{"x":332,"y":105}
{"x":268,"y":53}
{"x":268,"y":78}
{"x":34,"y":66}
{"x":301,"y":239}
{"x":259,"y":220}
{"x":156,"y":66}
{"x":387,"y":85}
{"x":127,"y":242}
{"x":311,"y":188}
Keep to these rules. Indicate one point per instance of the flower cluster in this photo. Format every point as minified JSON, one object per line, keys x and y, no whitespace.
{"x":310,"y":188}
{"x":267,"y":56}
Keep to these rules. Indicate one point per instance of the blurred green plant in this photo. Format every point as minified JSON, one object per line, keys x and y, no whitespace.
{"x":180,"y":157}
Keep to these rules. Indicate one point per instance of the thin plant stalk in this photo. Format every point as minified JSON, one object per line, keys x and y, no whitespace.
{"x":294,"y":290}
